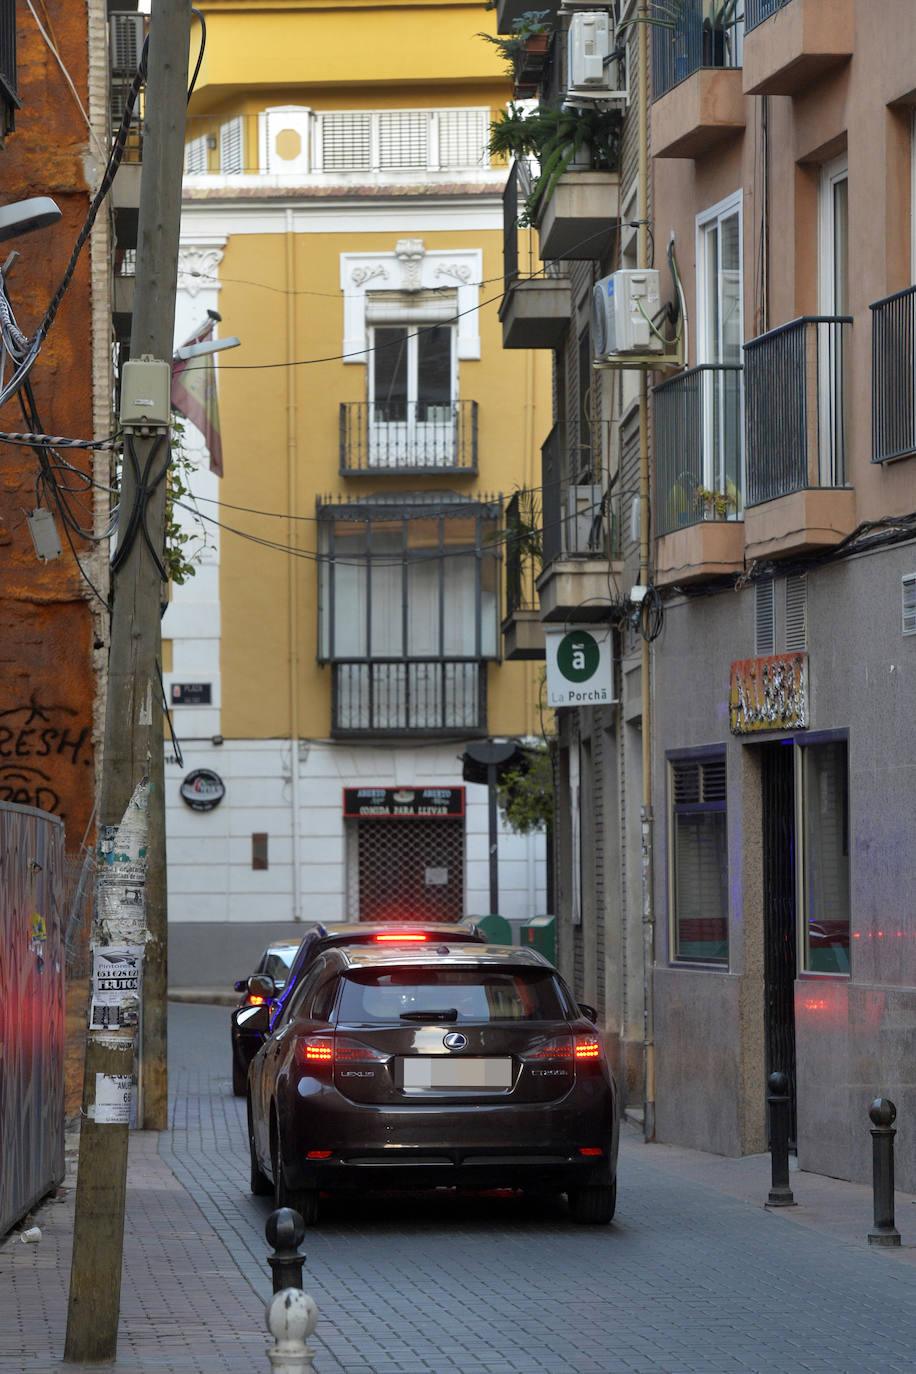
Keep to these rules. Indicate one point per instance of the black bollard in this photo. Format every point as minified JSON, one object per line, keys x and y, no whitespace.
{"x":779,"y":1103}
{"x":883,"y":1114}
{"x":284,"y":1230}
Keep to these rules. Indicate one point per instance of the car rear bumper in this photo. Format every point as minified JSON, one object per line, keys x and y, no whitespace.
{"x":478,"y":1146}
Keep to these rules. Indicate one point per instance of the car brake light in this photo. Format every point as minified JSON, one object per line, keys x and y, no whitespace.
{"x":403,"y":939}
{"x":587,"y":1049}
{"x":581,"y":1049}
{"x":320,"y":1051}
{"x":256,"y":1001}
{"x":590,"y":1150}
{"x":326,"y":1154}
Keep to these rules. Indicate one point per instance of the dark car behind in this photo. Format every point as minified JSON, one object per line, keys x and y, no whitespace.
{"x":282,"y":965}
{"x":448,"y":1065}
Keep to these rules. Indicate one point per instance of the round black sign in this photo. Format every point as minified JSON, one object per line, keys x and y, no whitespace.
{"x":203,"y":789}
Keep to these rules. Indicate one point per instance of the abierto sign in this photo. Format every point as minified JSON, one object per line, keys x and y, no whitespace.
{"x":580,"y":665}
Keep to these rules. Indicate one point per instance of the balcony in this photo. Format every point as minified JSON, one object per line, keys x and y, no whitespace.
{"x":893,"y":372}
{"x":797,"y":493}
{"x":508,"y":11}
{"x":698,"y":503}
{"x":791,"y":43}
{"x":696,"y":83}
{"x":416,"y":697}
{"x":408,"y":436}
{"x":582,"y":543}
{"x":579,"y":219}
{"x":523,"y":637}
{"x":535,"y":310}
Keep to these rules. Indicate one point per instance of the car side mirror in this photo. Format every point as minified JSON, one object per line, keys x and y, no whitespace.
{"x":259,"y":985}
{"x":588,"y":1011}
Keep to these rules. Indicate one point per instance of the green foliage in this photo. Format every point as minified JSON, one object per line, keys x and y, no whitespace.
{"x":526,"y":796}
{"x":512,"y":46}
{"x":556,"y":137}
{"x":180,"y":560}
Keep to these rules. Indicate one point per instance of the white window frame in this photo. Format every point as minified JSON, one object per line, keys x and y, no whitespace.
{"x":712,"y":219}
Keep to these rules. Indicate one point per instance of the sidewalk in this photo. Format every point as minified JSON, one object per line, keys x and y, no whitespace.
{"x":196,"y":1278}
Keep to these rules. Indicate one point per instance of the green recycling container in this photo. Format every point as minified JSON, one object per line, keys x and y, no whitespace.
{"x":496,"y":928}
{"x":540,"y":933}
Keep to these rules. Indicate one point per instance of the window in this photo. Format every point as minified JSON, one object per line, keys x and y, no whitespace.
{"x":720,"y":335}
{"x":451,"y":995}
{"x":231,"y":147}
{"x":402,"y":140}
{"x":412,"y":374}
{"x":833,"y":292}
{"x":908,"y":608}
{"x":824,"y":857}
{"x":796,"y":613}
{"x":409,"y":586}
{"x":764,"y":619}
{"x":259,"y":851}
{"x":409,"y":608}
{"x":698,"y":860}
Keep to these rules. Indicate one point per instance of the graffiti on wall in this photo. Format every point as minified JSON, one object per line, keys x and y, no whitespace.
{"x":769,"y":694}
{"x":41,"y":747}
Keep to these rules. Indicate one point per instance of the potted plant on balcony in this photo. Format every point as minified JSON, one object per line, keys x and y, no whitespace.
{"x":559,"y":138}
{"x":525,"y":49}
{"x":715,"y":504}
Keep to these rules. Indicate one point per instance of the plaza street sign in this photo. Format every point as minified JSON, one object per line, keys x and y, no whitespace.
{"x":580,"y":666}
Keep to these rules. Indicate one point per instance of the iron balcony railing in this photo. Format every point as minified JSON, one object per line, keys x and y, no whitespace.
{"x":698,"y":431}
{"x":893,"y":376}
{"x":9,"y":81}
{"x":684,"y":40}
{"x":402,"y":436}
{"x":409,"y":697}
{"x":795,"y":384}
{"x":581,"y":511}
{"x":756,"y":11}
{"x":523,"y":551}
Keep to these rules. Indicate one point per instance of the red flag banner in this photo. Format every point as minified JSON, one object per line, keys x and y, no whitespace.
{"x":194,"y":396}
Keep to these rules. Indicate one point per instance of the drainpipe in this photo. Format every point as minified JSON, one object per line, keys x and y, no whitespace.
{"x":648,"y":912}
{"x":292,"y":502}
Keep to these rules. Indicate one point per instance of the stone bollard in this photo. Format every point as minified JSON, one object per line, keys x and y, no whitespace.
{"x":291,"y":1318}
{"x":779,"y":1102}
{"x":284,"y":1230}
{"x":883,"y":1114}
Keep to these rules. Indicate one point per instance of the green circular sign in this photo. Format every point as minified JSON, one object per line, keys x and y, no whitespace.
{"x":578,"y":656}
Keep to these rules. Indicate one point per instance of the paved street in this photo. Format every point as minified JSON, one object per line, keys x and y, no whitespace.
{"x":694,"y":1275}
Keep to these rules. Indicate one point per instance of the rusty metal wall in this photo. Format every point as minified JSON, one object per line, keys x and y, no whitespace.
{"x":32,"y":969}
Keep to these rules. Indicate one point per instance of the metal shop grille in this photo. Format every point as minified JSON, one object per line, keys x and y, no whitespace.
{"x":410,"y":870}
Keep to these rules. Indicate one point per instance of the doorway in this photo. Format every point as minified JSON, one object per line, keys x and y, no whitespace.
{"x":779,"y":913}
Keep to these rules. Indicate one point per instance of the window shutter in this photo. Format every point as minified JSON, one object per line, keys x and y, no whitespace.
{"x":764,"y":626}
{"x":797,"y":613}
{"x":403,"y":139}
{"x":463,"y":138}
{"x":346,"y":140}
{"x":195,"y":156}
{"x":231,"y":159}
{"x":909,"y":604}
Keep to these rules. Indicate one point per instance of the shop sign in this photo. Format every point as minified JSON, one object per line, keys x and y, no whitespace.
{"x":203,"y":789}
{"x":769,"y":694}
{"x":402,"y":802}
{"x":580,"y":666}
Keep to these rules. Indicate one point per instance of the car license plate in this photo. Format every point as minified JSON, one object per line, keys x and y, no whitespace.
{"x":442,"y":1075}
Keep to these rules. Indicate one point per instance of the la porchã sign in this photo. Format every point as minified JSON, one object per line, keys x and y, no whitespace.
{"x":580,"y":665}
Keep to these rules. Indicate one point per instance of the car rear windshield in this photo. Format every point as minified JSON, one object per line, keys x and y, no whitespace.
{"x":370,"y":996}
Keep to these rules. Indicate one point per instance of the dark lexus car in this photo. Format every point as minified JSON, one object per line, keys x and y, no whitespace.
{"x":442,"y":1066}
{"x":281,"y":966}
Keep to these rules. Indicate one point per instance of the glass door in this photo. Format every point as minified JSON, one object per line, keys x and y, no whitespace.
{"x":412,"y":416}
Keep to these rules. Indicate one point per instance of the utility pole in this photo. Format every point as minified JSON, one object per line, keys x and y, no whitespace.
{"x":133,"y":746}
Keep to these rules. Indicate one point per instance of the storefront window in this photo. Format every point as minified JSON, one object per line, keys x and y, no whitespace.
{"x":698,"y":860}
{"x":825,"y":857}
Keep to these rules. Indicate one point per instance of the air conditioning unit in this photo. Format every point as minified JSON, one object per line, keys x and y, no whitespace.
{"x":590,"y":72}
{"x":125,"y":37}
{"x":584,"y":519}
{"x":624,"y":307}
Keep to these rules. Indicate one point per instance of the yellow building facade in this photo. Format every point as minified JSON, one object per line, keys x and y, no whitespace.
{"x":340,"y":644}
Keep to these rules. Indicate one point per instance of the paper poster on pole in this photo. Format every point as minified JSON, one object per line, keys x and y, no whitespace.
{"x":113,"y":1099}
{"x":580,"y":665}
{"x":116,"y":974}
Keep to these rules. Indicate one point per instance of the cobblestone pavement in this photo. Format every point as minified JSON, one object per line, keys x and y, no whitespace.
{"x":694,"y":1274}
